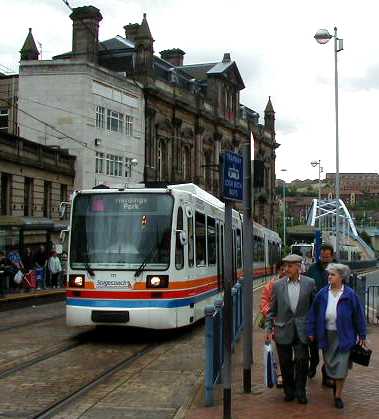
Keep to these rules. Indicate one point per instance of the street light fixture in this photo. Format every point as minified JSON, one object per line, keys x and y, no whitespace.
{"x":320,"y":169}
{"x":284,"y":210}
{"x":322,"y":36}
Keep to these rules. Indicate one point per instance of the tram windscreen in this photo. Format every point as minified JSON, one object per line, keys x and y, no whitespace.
{"x":121,"y":231}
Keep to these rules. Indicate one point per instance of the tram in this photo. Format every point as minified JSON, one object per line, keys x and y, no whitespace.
{"x":152,"y":257}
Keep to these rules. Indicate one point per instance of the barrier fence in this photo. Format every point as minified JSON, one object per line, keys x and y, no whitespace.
{"x":214,"y":338}
{"x":372,"y":306}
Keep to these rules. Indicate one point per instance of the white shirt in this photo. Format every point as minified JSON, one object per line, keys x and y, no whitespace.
{"x":293,"y":293}
{"x":54,"y":265}
{"x":331,"y":309}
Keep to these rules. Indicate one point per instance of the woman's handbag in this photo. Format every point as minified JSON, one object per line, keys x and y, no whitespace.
{"x":360,"y":355}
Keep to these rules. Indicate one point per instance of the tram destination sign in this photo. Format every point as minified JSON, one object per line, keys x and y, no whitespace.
{"x":232,"y":176}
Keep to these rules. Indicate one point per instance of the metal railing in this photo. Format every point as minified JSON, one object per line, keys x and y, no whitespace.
{"x":372,"y":304}
{"x":214,"y":338}
{"x":358,"y":283}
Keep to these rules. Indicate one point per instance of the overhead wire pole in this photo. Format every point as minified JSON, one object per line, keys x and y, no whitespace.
{"x":247,"y":229}
{"x":336,"y":49}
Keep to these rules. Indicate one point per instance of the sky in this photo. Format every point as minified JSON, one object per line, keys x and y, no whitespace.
{"x":271,"y":42}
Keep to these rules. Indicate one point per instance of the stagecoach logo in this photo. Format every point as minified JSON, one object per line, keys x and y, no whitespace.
{"x":123,"y":283}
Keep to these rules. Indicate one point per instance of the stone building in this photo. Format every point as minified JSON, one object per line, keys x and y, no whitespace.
{"x":8,"y":103}
{"x":35,"y":179}
{"x":75,"y":103}
{"x":192,"y":112}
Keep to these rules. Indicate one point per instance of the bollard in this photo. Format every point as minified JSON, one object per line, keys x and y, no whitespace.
{"x":239,"y":309}
{"x":219,"y":344}
{"x":209,"y":353}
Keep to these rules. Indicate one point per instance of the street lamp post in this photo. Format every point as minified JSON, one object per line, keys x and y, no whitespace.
{"x":284,"y":211}
{"x":314,"y":164}
{"x":322,"y":37}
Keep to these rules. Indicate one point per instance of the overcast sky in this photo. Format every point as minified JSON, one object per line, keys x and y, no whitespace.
{"x":272,"y":43}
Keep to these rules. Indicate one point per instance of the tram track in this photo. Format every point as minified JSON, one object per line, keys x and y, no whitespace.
{"x":28,"y":363}
{"x":57,"y":406}
{"x":28,"y":324}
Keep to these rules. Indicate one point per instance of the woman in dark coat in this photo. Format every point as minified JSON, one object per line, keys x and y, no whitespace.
{"x":337,"y":321}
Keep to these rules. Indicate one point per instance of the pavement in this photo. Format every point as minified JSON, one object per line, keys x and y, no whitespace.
{"x":24,"y":298}
{"x":360,"y":394}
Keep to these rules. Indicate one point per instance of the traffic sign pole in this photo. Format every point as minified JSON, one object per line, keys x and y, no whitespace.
{"x":228,"y":312}
{"x":247,"y":229}
{"x":231,"y":170}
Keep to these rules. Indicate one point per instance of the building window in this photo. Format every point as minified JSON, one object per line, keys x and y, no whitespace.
{"x":100,"y":117}
{"x":129,"y":125}
{"x":28,"y":196}
{"x":64,"y":197}
{"x":6,"y":181}
{"x":99,"y":162}
{"x":4,"y":119}
{"x":115,"y":121}
{"x":114,"y":165}
{"x":47,"y":199}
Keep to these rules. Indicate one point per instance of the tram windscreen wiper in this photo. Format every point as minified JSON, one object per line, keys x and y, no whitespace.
{"x":89,"y":269}
{"x":140,"y":268}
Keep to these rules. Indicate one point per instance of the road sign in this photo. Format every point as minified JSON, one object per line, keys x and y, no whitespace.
{"x":233,"y":176}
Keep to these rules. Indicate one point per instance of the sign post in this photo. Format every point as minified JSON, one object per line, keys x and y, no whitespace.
{"x":247,"y":229}
{"x":232,"y":182}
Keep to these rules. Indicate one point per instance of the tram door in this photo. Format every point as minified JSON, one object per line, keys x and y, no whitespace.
{"x":220,"y":254}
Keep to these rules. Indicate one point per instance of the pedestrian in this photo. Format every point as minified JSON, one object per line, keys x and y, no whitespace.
{"x":266,"y":302}
{"x":318,"y":272}
{"x":337,"y":321}
{"x":5,"y":267}
{"x":55,"y":268}
{"x":292,"y":297}
{"x":16,"y":265}
{"x":40,"y":261}
{"x":28,"y":259}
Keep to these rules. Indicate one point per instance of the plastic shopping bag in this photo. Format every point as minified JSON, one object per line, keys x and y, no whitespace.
{"x":270,"y":377}
{"x":18,"y":277}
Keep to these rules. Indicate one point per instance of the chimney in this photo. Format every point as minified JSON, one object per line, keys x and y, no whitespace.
{"x":174,"y":56}
{"x":85,"y":33}
{"x":131,"y":31}
{"x":226,"y":58}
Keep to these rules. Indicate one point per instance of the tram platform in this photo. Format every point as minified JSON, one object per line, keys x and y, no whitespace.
{"x":30,"y":297}
{"x":360,"y":394}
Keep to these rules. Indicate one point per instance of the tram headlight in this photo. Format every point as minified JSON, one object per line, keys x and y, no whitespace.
{"x":157,"y":281}
{"x":76,"y":281}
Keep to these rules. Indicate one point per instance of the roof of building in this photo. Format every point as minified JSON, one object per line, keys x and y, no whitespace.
{"x":29,"y":44}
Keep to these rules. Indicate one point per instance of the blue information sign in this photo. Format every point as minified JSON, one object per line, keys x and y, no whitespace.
{"x":233,"y":176}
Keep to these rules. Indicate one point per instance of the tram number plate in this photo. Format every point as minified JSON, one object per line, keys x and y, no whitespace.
{"x":100,"y":316}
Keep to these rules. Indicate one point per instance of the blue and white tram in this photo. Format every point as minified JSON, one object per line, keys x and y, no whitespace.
{"x":152,"y":257}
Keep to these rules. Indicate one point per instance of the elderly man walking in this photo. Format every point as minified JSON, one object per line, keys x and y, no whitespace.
{"x":292,"y":297}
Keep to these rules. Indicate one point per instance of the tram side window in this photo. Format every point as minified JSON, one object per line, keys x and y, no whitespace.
{"x":190,"y":241}
{"x":179,"y":249}
{"x":211,"y":236}
{"x":200,"y":234}
{"x":239,"y":249}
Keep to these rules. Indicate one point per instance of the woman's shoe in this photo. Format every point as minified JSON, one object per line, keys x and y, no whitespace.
{"x":338,"y":403}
